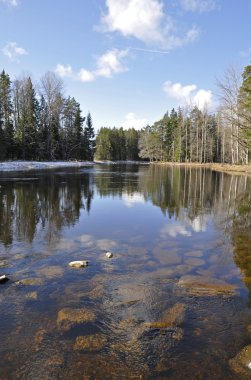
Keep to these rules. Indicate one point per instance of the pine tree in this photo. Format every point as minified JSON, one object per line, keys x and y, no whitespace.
{"x":89,"y":142}
{"x":6,"y":116}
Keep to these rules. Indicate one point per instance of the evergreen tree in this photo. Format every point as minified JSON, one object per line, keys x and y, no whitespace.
{"x":6,"y":117}
{"x":245,"y":107}
{"x":89,"y":135}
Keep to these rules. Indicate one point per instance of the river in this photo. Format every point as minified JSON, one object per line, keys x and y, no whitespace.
{"x":173,"y":302}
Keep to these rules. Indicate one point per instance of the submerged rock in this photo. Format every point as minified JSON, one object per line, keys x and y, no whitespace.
{"x":79,"y":264}
{"x":194,"y":261}
{"x":206,"y":286}
{"x":68,"y":317}
{"x":93,"y":342}
{"x":30,"y":281}
{"x":173,"y":317}
{"x":241,"y":363}
{"x":31,"y":296}
{"x":50,"y":271}
{"x":3,"y":279}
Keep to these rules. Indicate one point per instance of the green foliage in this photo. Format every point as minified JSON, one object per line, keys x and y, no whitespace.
{"x":245,"y":106}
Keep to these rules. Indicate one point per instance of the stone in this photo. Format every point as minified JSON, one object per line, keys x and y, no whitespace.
{"x":31,"y":296}
{"x":194,"y":254}
{"x":67,"y":317}
{"x":93,"y":342}
{"x":166,"y":257}
{"x":241,"y":363}
{"x":30,"y":281}
{"x":51,"y":271}
{"x":109,"y":255}
{"x":194,"y":261}
{"x":173,"y":317}
{"x":3,"y":279}
{"x":205,"y":286}
{"x":79,"y":264}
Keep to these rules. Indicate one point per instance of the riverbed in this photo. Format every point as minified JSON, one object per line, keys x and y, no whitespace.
{"x":172,"y":302}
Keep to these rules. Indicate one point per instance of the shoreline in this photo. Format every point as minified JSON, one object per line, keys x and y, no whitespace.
{"x":14,"y":166}
{"x":226,"y":168}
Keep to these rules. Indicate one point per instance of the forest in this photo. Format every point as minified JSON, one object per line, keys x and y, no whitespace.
{"x":39,"y":123}
{"x":190,"y":134}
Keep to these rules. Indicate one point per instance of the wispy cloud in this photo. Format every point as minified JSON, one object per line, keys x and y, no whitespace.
{"x":146,"y":21}
{"x":13,"y":51}
{"x":189,"y":94}
{"x":198,"y":5}
{"x":107,"y":65}
{"x":132,"y":121}
{"x":12,"y":3}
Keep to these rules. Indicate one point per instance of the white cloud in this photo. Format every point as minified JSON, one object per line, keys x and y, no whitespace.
{"x":189,"y":94}
{"x":90,"y":241}
{"x":85,"y":76}
{"x":12,"y":3}
{"x":12,"y":51}
{"x":198,"y":5}
{"x":130,"y":200}
{"x":107,"y":65}
{"x":173,"y":230}
{"x":64,"y":71}
{"x":111,"y":63}
{"x":146,"y":21}
{"x":131,"y":121}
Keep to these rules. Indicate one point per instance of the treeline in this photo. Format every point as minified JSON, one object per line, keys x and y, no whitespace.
{"x":117,"y":144}
{"x":190,"y":134}
{"x":39,"y":123}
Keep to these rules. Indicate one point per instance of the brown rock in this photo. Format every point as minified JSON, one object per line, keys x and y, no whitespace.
{"x":173,"y":317}
{"x":68,"y":317}
{"x":206,"y":286}
{"x":241,"y":363}
{"x":90,"y":342}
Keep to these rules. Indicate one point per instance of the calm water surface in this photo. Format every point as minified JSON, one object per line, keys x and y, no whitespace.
{"x":172,"y":303}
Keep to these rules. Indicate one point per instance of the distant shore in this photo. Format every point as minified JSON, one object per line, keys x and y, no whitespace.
{"x":236,"y":169}
{"x":12,"y":166}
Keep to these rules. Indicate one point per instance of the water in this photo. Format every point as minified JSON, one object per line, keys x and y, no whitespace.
{"x":172,"y":303}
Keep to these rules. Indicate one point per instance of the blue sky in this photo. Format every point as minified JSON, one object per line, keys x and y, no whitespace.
{"x":127,"y":61}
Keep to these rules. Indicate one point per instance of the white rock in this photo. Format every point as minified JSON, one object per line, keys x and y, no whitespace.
{"x":3,"y":278}
{"x":249,"y":365}
{"x":109,"y":255}
{"x":79,"y":264}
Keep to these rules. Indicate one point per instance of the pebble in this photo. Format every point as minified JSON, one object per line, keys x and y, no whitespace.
{"x":109,"y":255}
{"x":79,"y":264}
{"x":3,"y":279}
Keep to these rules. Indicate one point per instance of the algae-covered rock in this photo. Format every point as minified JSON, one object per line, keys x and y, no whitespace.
{"x":194,"y":254}
{"x":173,"y":317}
{"x":31,"y":281}
{"x":206,"y":286}
{"x":31,"y":296}
{"x":93,"y":342}
{"x":68,"y":317}
{"x":241,"y":363}
{"x":194,"y":261}
{"x":50,"y":272}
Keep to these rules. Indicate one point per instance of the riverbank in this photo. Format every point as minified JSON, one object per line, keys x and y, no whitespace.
{"x":236,"y":169}
{"x":12,"y":166}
